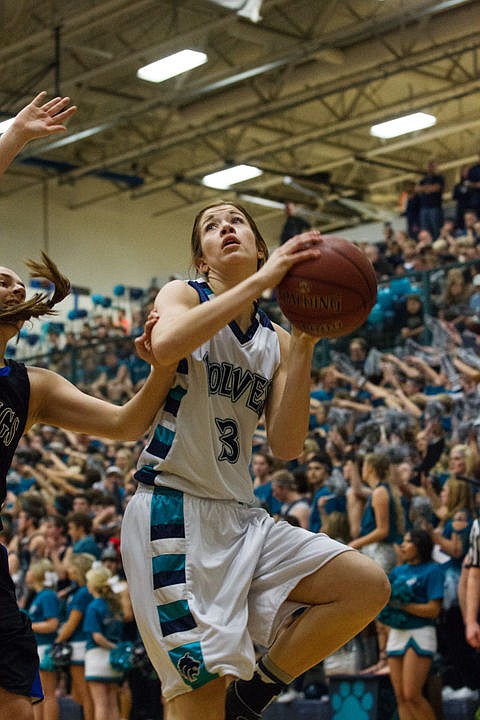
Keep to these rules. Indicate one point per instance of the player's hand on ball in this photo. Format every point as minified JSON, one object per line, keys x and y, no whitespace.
{"x":299,"y":248}
{"x":304,"y":337}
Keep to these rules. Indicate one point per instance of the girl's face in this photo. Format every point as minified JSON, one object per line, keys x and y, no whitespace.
{"x":12,"y":290}
{"x":457,"y":462}
{"x":408,"y":549}
{"x":226,"y":237}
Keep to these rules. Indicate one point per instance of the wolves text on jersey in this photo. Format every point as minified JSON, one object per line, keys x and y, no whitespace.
{"x":236,"y":382}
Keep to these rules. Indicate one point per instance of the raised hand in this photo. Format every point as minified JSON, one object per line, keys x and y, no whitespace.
{"x":306,"y":246}
{"x":38,"y":120}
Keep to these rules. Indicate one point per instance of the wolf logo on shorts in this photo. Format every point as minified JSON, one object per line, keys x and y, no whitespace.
{"x":188,"y":667}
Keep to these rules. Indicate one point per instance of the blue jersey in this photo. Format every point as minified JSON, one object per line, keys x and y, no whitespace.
{"x":201,"y":440}
{"x":368,"y":523}
{"x":79,"y":600}
{"x":315,"y":518}
{"x":264,"y":493}
{"x":423,"y":582}
{"x":89,"y":545}
{"x":45,"y":606}
{"x":99,"y":618}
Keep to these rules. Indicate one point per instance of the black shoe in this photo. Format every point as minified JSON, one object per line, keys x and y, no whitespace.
{"x":235,"y":708}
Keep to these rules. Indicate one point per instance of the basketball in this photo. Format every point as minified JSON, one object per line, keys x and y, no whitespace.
{"x":332,"y":295}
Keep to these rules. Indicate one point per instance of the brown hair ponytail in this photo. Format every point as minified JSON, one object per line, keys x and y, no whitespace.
{"x":40,"y":303}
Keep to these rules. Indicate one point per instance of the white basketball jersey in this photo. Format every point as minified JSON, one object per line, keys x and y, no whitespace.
{"x":201,"y":440}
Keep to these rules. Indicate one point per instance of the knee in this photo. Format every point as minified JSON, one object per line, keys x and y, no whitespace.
{"x":412,"y":696}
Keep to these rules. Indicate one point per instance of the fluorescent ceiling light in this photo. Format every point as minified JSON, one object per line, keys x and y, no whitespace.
{"x":265,"y":202}
{"x":5,"y":124}
{"x":403,"y":125}
{"x":224,"y":178}
{"x":172,"y":65}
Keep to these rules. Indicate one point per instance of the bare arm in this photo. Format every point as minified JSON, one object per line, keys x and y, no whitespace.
{"x":102,"y":641}
{"x":472,"y":610}
{"x":45,"y":626}
{"x":430,"y":609}
{"x":288,"y":408}
{"x":55,"y":401}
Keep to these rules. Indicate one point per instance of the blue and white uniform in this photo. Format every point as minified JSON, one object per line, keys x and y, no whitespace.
{"x":45,"y":606}
{"x":78,"y":600}
{"x":424,"y":582}
{"x":209,"y":574}
{"x":99,"y":618}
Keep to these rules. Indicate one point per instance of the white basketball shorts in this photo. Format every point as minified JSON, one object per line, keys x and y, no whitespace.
{"x":208,"y":579}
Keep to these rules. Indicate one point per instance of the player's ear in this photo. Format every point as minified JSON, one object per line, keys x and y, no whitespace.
{"x":202,"y":266}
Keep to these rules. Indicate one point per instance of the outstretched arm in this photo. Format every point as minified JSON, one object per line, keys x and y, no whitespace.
{"x":34,"y":121}
{"x":55,"y":401}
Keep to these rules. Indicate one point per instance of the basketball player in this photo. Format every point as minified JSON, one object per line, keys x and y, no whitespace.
{"x":209,"y":574}
{"x":31,"y":395}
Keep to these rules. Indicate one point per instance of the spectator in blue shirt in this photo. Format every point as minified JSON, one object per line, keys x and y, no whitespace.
{"x":44,"y":613}
{"x":72,"y":630}
{"x":103,"y":625}
{"x":79,"y":529}
{"x":417,"y":590}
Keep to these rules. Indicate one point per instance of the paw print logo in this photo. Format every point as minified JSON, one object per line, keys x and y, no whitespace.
{"x":352,"y":701}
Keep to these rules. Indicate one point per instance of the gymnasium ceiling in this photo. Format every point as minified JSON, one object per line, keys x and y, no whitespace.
{"x":294,"y":94}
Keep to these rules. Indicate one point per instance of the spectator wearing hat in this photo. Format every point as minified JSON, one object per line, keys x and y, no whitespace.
{"x":113,"y":485}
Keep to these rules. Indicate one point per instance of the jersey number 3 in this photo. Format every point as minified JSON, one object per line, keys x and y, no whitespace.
{"x":228,"y":436}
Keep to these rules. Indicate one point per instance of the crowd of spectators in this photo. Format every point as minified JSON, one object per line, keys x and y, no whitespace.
{"x":393,"y":447}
